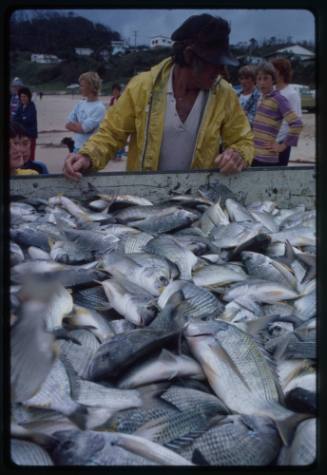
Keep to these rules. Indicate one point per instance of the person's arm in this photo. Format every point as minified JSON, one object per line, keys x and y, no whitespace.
{"x":72,"y":123}
{"x":237,"y":139}
{"x":117,"y":125}
{"x":93,"y":120}
{"x":294,"y":123}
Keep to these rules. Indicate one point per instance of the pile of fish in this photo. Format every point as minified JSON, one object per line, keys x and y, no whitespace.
{"x":172,"y":333}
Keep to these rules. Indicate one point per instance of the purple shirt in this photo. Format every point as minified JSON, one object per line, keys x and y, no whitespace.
{"x":271,"y":111}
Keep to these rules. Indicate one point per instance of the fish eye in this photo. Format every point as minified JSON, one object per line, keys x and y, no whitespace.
{"x":67,"y":445}
{"x":152,"y":308}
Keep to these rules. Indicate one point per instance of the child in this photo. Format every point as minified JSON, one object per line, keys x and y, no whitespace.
{"x":19,"y":146}
{"x":283,"y":78}
{"x":87,"y":114}
{"x":249,"y":94}
{"x":271,"y":111}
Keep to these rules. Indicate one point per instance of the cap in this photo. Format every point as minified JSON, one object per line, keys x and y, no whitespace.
{"x":209,"y":38}
{"x":17,"y":82}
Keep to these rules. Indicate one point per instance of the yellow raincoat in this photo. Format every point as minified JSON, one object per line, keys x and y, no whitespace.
{"x":140,"y":113}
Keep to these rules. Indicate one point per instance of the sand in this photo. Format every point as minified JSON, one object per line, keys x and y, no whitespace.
{"x":52,"y":111}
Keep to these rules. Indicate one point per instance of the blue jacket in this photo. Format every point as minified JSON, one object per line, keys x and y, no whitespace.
{"x":27,"y":118}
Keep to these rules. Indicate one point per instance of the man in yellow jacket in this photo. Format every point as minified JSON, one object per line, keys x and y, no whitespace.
{"x":180,"y":115}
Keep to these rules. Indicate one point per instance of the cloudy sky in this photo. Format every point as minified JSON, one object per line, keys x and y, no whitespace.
{"x":245,"y":24}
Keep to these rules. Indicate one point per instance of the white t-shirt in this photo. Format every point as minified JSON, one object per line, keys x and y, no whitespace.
{"x":294,"y":100}
{"x":179,"y":138}
{"x":244,"y":98}
{"x":89,"y":114}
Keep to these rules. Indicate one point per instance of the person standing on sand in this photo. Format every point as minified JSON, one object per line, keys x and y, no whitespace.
{"x":177,"y":114}
{"x":88,"y":113}
{"x":26,"y":116}
{"x":272,"y":109}
{"x":15,"y":85}
{"x":283,"y":78}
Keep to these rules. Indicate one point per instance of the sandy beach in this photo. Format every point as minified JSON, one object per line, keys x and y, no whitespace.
{"x":52,"y":111}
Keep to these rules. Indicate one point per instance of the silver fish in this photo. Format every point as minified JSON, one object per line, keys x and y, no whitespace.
{"x":130,"y":301}
{"x":220,"y":348}
{"x":263,"y":267}
{"x":162,"y":367}
{"x":166,"y":246}
{"x":24,"y":452}
{"x":233,"y":441}
{"x":99,"y":448}
{"x":151,"y":279}
{"x":32,"y":351}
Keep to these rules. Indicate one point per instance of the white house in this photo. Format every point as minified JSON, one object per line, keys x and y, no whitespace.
{"x":45,"y":58}
{"x":83,"y":51}
{"x":119,"y":47}
{"x":296,"y":50}
{"x":160,"y":41}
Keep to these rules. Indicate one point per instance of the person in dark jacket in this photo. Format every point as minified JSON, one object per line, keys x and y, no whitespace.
{"x":26,"y":116}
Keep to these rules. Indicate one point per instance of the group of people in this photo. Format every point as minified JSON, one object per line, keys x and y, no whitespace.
{"x":184,"y":115}
{"x":273,"y":109}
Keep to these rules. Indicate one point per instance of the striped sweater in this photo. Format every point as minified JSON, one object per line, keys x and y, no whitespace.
{"x":271,"y":111}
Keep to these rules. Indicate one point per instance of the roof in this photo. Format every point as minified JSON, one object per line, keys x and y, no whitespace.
{"x":297,"y":50}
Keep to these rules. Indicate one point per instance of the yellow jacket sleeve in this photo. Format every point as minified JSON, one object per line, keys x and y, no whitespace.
{"x":117,"y":125}
{"x":236,"y":130}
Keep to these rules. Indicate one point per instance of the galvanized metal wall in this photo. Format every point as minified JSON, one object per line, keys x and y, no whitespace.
{"x":287,"y":186}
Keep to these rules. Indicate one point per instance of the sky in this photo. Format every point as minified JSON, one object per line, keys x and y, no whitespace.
{"x":245,"y":24}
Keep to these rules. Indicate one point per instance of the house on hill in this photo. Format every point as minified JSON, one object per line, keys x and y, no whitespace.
{"x":160,"y":41}
{"x":119,"y":47}
{"x":294,"y":51}
{"x":83,"y":51}
{"x":45,"y":58}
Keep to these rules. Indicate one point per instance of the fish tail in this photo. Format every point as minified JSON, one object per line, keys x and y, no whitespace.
{"x":286,"y":427}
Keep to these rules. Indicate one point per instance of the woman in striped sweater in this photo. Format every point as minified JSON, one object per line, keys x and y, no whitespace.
{"x":271,"y":111}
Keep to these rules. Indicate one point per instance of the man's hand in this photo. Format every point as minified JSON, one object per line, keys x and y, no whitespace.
{"x":229,"y":162}
{"x":74,"y":165}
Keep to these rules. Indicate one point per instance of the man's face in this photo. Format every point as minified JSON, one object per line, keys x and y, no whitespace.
{"x":265,"y":82}
{"x":204,"y":73}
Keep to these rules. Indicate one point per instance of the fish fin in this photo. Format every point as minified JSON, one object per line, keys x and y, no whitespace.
{"x":79,"y":417}
{"x":152,"y":427}
{"x":248,"y":304}
{"x":96,"y":417}
{"x":286,"y":427}
{"x":63,"y":334}
{"x":198,"y":458}
{"x":166,"y":355}
{"x":289,"y":255}
{"x":184,"y":440}
{"x":152,"y":391}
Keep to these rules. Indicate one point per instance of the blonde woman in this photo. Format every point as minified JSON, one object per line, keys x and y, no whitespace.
{"x":89,"y":112}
